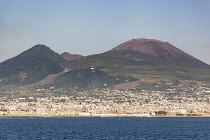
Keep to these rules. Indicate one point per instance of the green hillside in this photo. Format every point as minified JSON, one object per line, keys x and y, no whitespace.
{"x":90,"y":78}
{"x":31,"y":66}
{"x":141,"y":65}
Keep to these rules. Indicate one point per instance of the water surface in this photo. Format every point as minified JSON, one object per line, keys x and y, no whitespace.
{"x":105,"y":128}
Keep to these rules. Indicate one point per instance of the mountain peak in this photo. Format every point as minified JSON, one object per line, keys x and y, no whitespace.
{"x":39,"y":47}
{"x":69,"y":56}
{"x":38,"y":61}
{"x":150,"y":46}
{"x":155,"y":49}
{"x":144,"y":40}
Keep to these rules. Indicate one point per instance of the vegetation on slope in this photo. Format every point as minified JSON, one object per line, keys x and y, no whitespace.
{"x":31,"y":66}
{"x":138,"y":64}
{"x":90,"y":78}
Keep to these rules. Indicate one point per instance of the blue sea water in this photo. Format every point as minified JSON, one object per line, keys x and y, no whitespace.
{"x":105,"y":128}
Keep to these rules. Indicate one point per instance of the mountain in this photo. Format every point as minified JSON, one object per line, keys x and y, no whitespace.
{"x":69,"y":56}
{"x":155,"y":49}
{"x":145,"y":57}
{"x":134,"y":60}
{"x":31,"y":66}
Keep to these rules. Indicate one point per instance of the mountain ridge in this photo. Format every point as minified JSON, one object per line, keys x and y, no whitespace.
{"x":134,"y":58}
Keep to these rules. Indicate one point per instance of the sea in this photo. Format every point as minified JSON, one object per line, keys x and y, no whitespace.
{"x":105,"y":128}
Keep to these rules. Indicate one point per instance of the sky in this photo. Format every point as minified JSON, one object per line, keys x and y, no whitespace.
{"x":89,"y":27}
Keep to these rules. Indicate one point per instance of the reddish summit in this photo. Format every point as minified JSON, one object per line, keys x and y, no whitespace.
{"x":151,"y":47}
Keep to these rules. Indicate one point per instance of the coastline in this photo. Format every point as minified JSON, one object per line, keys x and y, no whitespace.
{"x":96,"y":116}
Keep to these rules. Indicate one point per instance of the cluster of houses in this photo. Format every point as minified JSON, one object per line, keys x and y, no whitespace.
{"x":113,"y":103}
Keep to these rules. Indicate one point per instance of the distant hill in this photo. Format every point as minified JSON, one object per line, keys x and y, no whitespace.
{"x":69,"y":56}
{"x":31,"y":66}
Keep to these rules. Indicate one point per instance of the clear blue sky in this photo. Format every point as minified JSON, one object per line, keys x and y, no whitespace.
{"x":94,"y":26}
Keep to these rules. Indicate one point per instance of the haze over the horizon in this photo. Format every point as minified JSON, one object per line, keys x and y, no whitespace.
{"x":90,"y":27}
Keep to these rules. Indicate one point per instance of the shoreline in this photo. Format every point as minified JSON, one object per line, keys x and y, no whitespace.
{"x":75,"y":116}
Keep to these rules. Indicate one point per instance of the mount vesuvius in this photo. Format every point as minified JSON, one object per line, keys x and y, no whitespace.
{"x":129,"y":60}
